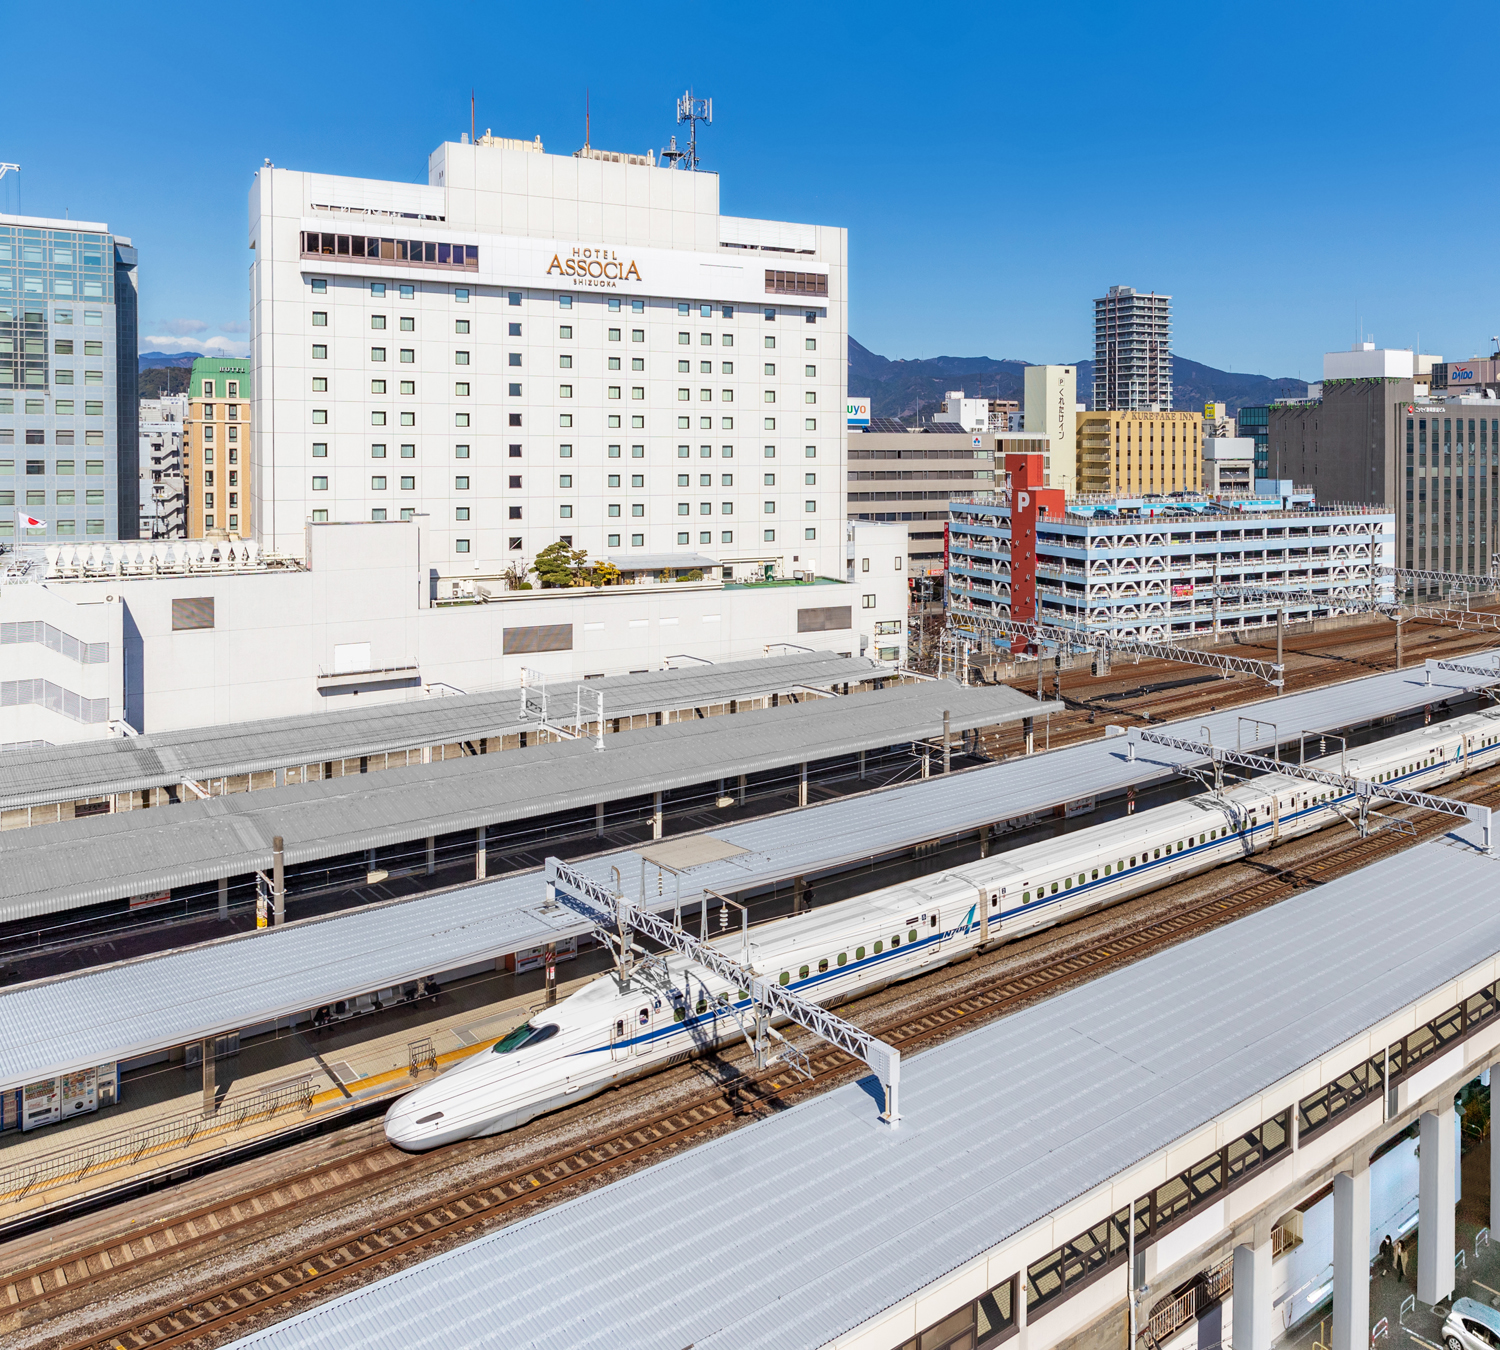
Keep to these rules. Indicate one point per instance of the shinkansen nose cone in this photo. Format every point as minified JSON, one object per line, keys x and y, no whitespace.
{"x":417,"y":1123}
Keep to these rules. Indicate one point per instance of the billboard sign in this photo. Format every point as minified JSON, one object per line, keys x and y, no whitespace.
{"x":857,"y":412}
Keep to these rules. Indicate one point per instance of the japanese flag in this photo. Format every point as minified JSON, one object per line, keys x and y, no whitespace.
{"x":32,"y":523}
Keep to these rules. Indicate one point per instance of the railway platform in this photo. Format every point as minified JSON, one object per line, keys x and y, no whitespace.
{"x":167,"y":1120}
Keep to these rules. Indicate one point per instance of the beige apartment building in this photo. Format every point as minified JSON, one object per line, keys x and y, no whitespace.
{"x":1128,"y":454}
{"x":216,"y":450}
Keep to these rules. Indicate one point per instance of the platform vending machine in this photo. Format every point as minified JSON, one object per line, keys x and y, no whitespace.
{"x":50,"y":1100}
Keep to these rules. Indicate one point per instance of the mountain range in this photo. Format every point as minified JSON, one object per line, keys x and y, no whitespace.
{"x":160,"y":360}
{"x":901,"y":388}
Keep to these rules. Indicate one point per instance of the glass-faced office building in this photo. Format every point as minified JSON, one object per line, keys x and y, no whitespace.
{"x":68,"y":382}
{"x":1452,"y":484}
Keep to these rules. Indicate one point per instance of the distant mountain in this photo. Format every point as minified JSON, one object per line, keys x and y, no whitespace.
{"x":158,"y":380}
{"x":149,"y":360}
{"x":898,"y":388}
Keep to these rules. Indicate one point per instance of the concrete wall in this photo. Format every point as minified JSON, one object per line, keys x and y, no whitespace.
{"x":1345,"y":446}
{"x":275,"y":637}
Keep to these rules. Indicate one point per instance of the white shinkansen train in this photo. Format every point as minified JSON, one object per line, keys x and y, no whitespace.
{"x":602,"y":1035}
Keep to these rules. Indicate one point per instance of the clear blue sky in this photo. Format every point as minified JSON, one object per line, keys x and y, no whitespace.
{"x":1278,"y":168}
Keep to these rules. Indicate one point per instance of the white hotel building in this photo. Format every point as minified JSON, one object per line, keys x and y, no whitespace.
{"x":534,"y":347}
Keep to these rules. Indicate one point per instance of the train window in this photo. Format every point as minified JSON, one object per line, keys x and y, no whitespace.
{"x":932,"y":920}
{"x":723,"y":1000}
{"x":1158,"y":853}
{"x":620,"y":1028}
{"x":1054,"y":888}
{"x":1120,"y":866}
{"x":1106,"y":869}
{"x":1025,"y":897}
{"x":912,"y":936}
{"x":802,"y":974}
{"x":1095,"y":876}
{"x":995,"y":901}
{"x":895,"y":940}
{"x":822,"y":965}
{"x":1132,"y":859}
{"x":859,"y":953}
{"x":1202,"y":839}
{"x":1179,"y":845}
{"x":643,"y":1017}
{"x":786,"y":978}
{"x":702,"y":1004}
{"x":879,"y":947}
{"x":678,"y":1014}
{"x":1067,"y":883}
{"x":525,"y":1034}
{"x":843,"y":958}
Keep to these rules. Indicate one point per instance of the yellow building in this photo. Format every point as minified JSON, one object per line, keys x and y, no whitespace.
{"x":1128,"y":454}
{"x":216,"y":450}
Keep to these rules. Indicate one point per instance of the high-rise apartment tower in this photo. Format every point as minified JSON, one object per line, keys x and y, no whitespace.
{"x":1132,"y":351}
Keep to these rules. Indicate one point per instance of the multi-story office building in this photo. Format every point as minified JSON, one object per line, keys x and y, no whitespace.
{"x":1254,"y":423}
{"x":162,"y":502}
{"x":68,"y":407}
{"x":1452,"y":506}
{"x":1149,"y":568}
{"x":978,"y":414}
{"x":1228,"y":466}
{"x":906,"y":475}
{"x":530,"y":348}
{"x":1132,"y":351}
{"x":1146,"y":453}
{"x":216,"y":468}
{"x":1373,"y":435}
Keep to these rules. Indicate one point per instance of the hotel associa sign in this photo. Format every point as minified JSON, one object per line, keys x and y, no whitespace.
{"x":602,"y":267}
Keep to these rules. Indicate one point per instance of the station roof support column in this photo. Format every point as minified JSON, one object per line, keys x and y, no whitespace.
{"x":1435,"y":1200}
{"x":1351,"y":1259}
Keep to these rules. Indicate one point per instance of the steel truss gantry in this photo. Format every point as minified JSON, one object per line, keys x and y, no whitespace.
{"x":1347,"y":598}
{"x":1490,"y":672}
{"x":1363,"y":790}
{"x":619,"y":918}
{"x":1113,"y":644}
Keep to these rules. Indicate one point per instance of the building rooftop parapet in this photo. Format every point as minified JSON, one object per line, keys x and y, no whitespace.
{"x":140,"y":558}
{"x":1195,"y":508}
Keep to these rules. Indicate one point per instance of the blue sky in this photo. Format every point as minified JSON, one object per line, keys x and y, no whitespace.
{"x":1284,"y":171}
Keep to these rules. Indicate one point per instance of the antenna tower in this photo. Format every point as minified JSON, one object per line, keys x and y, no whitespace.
{"x":692,"y":111}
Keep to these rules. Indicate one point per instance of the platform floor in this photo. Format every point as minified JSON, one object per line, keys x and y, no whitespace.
{"x":158,"y":1126}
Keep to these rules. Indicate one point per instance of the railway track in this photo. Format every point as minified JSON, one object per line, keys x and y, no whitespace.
{"x":370,"y":1249}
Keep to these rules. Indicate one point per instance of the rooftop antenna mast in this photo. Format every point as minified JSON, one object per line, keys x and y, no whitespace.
{"x":586,"y":142}
{"x":692,"y":111}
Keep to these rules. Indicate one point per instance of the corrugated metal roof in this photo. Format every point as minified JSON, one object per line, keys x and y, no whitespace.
{"x":97,"y":768}
{"x":47,"y":868}
{"x":795,"y":1230}
{"x":98,"y":1015}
